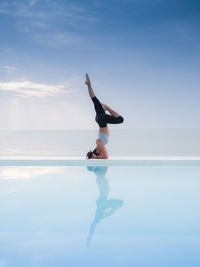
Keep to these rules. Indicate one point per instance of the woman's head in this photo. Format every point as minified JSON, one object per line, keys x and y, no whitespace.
{"x":92,"y":154}
{"x":89,"y":155}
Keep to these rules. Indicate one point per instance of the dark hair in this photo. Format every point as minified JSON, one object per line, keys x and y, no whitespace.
{"x":89,"y":155}
{"x":95,"y":152}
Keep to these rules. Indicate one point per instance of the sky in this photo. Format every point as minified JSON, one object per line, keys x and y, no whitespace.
{"x":143,"y":58}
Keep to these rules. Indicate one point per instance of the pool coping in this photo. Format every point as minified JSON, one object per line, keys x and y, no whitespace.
{"x":125,"y":161}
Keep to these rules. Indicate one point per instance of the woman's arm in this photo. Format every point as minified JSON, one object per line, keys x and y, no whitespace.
{"x":102,"y":157}
{"x":103,"y":154}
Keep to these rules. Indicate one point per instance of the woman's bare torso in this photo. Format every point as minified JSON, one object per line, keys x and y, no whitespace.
{"x":101,"y":149}
{"x":104,"y":130}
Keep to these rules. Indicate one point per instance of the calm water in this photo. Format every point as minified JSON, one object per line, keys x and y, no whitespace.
{"x":100,"y":216}
{"x":78,"y":142}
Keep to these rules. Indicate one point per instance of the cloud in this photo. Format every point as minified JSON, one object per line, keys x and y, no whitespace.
{"x":50,"y":12}
{"x":4,"y":11}
{"x":9,"y":69}
{"x":57,"y":39}
{"x":27,"y":88}
{"x":33,"y":2}
{"x":3,"y":264}
{"x":29,"y":172}
{"x":45,"y":23}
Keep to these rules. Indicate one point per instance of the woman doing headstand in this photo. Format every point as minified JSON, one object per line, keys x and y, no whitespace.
{"x":102,"y":119}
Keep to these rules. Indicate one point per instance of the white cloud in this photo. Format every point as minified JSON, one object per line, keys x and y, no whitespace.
{"x":9,"y":69}
{"x":49,"y":14}
{"x":57,"y":39}
{"x":27,"y":88}
{"x":33,"y":2}
{"x":52,"y":11}
{"x":44,"y":24}
{"x":4,"y":11}
{"x":29,"y":172}
{"x":3,"y":264}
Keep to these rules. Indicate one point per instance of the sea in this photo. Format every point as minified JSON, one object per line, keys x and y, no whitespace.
{"x":122,"y":143}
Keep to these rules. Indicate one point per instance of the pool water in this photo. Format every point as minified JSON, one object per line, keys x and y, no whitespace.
{"x":100,"y":215}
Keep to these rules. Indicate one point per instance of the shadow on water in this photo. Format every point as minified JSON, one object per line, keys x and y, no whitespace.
{"x":104,"y":207}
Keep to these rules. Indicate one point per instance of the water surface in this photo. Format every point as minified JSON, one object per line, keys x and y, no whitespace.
{"x":100,"y":216}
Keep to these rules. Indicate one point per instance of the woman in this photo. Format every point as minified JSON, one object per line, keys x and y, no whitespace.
{"x":102,"y":119}
{"x":105,"y":206}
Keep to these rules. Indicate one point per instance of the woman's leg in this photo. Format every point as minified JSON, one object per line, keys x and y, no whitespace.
{"x":112,"y":112}
{"x":97,"y":105}
{"x":114,"y":118}
{"x":103,"y":119}
{"x":90,"y":90}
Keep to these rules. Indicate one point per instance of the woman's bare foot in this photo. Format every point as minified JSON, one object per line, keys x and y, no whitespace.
{"x":87,"y":81}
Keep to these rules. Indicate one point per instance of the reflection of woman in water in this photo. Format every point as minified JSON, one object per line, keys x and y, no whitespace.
{"x":102,"y":119}
{"x":105,"y":206}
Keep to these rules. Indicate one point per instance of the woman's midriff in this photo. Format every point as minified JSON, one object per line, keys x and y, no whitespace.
{"x":104,"y":130}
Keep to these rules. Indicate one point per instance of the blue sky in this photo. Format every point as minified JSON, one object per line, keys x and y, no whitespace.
{"x":143,"y":57}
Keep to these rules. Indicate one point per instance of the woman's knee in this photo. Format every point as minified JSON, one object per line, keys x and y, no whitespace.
{"x":121,"y":119}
